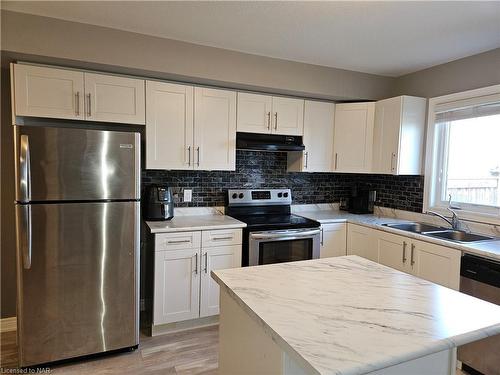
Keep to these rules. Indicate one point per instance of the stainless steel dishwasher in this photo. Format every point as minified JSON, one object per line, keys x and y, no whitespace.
{"x":480,"y":278}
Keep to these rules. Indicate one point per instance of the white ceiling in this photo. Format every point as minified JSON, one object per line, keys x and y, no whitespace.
{"x":387,"y":38}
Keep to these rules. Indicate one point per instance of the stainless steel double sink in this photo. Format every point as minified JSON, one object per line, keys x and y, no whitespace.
{"x":439,"y":232}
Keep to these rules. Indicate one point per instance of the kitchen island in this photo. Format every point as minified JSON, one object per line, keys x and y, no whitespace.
{"x":345,"y":316}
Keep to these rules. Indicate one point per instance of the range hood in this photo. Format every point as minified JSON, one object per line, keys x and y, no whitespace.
{"x":268,"y":142}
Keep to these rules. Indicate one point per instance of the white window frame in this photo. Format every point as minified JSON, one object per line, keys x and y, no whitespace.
{"x":434,"y":162}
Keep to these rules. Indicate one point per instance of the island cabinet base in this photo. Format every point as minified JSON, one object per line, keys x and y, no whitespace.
{"x":245,"y":348}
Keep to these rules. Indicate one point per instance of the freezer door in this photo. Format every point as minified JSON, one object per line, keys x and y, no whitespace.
{"x":79,"y":293}
{"x":76,"y":164}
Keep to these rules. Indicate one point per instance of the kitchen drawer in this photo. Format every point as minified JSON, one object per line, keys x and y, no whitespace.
{"x":177,"y":241}
{"x":221,"y":237}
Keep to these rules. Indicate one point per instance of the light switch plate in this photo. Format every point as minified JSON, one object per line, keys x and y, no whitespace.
{"x":188,"y":195}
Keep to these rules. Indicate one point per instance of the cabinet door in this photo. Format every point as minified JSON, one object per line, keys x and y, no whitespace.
{"x":386,"y":135}
{"x":114,"y":99}
{"x":318,"y":136}
{"x":393,"y":251}
{"x":215,"y":258}
{"x":254,"y":113}
{"x":48,"y":92}
{"x":169,"y":126}
{"x":177,"y":285}
{"x":353,"y":137}
{"x":214,"y":129}
{"x":362,"y":241}
{"x":288,"y":116}
{"x":333,"y":240}
{"x":435,"y":263}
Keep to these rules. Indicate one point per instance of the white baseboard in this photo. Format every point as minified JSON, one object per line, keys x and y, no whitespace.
{"x":8,"y":324}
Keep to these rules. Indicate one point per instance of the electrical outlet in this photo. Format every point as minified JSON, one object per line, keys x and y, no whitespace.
{"x":188,"y":195}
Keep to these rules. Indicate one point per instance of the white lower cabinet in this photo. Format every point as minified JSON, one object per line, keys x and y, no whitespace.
{"x":177,"y":285}
{"x":215,"y":258}
{"x":393,"y":251}
{"x":361,"y":241}
{"x":333,"y":240}
{"x":435,"y":263}
{"x":183,"y":286}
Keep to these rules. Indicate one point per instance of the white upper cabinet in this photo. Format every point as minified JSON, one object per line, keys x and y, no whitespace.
{"x":48,"y":92}
{"x":353,"y":137}
{"x":318,"y":139}
{"x":76,"y":95}
{"x":169,"y":126}
{"x":214,"y":129}
{"x":254,"y":113}
{"x":398,"y":135}
{"x":288,"y":117}
{"x":190,"y":128}
{"x":114,"y":99}
{"x":267,"y":114}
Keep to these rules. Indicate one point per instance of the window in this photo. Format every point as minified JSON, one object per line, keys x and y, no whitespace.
{"x":464,"y":162}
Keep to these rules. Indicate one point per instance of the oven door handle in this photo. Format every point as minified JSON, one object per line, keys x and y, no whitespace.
{"x":284,"y":235}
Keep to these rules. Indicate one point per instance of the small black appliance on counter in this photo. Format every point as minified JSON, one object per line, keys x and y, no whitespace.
{"x":158,"y":203}
{"x":362,"y":200}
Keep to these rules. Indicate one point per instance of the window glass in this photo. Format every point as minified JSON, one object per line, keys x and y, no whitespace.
{"x":471,"y":168}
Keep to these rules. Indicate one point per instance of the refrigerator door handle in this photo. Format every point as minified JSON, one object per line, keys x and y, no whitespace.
{"x":25,"y":169}
{"x":23,"y":233}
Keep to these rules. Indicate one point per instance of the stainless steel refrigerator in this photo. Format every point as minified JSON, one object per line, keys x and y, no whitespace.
{"x":77,"y":228}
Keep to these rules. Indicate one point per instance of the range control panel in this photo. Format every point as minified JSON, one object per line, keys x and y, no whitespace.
{"x":238,"y":197}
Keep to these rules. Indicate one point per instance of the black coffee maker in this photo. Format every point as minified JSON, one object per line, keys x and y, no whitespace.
{"x":362,"y":200}
{"x":158,"y":203}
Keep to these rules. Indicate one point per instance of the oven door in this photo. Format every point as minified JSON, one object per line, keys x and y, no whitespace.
{"x":283,"y":246}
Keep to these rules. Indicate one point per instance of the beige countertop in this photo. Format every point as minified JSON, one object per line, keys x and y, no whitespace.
{"x":348,"y":315}
{"x":195,"y":222}
{"x":490,"y":249}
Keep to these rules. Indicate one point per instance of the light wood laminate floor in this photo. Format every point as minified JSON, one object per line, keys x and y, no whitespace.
{"x":187,"y":353}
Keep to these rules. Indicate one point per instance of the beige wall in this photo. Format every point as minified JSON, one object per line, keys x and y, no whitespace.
{"x":163,"y":58}
{"x":460,"y":75}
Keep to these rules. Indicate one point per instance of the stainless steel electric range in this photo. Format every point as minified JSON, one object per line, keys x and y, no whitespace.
{"x":273,"y":234}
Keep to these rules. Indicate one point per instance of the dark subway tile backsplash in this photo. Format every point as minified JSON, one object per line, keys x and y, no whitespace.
{"x":257,"y":169}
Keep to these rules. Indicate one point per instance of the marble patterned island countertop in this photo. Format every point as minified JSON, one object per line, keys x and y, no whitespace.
{"x":348,"y":315}
{"x":195,"y":222}
{"x":489,"y":249}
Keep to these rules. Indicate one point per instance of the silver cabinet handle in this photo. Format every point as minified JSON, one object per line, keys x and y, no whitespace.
{"x":412,"y":260}
{"x":336,"y":158}
{"x":393,"y":156}
{"x":322,"y":236}
{"x":77,"y":104}
{"x":24,"y":170}
{"x":222,"y":238}
{"x":23,"y":233}
{"x":269,"y":120}
{"x":206,"y":262}
{"x":275,"y":120}
{"x":404,"y":251}
{"x":178,"y":241}
{"x":307,"y":159}
{"x":189,"y":155}
{"x":196,"y":263}
{"x":89,"y":109}
{"x":198,"y":152}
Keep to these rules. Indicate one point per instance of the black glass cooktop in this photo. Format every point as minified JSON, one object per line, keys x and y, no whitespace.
{"x":273,"y":222}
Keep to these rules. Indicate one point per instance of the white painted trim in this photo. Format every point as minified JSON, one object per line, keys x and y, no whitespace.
{"x":431,"y":157}
{"x":8,"y":324}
